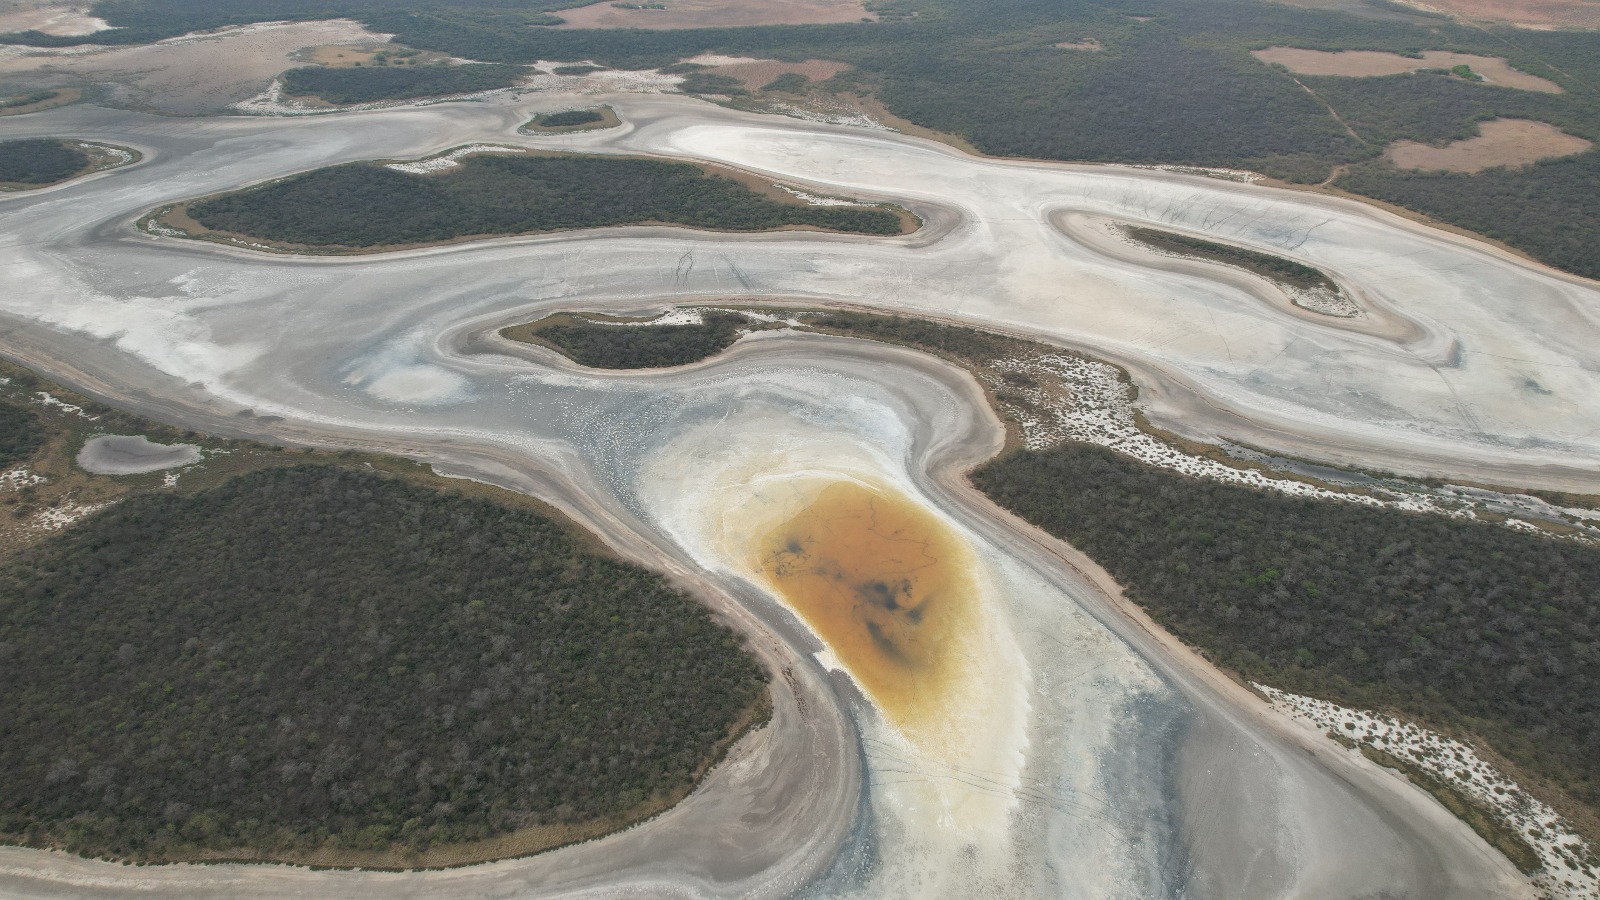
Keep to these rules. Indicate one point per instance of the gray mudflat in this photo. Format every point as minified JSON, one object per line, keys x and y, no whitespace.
{"x":133,"y":454}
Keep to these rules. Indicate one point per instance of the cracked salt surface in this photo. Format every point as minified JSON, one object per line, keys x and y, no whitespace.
{"x":1571,"y":868}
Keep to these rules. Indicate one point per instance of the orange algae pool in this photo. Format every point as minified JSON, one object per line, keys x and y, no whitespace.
{"x":887,"y":586}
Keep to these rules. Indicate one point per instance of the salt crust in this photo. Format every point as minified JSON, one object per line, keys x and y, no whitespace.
{"x":1101,"y":411}
{"x":45,"y":400}
{"x":1243,"y":176}
{"x":1571,"y":869}
{"x":826,"y":113}
{"x":814,"y":200}
{"x":58,"y":517}
{"x":19,"y":478}
{"x":449,"y":160}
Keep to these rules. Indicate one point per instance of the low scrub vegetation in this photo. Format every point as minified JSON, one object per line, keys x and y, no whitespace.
{"x":369,"y":85}
{"x":1285,"y":271}
{"x":614,"y":346}
{"x":369,"y":205}
{"x":570,"y":118}
{"x":318,"y":657}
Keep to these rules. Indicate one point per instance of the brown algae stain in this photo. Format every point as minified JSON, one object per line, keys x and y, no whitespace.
{"x":887,"y":586}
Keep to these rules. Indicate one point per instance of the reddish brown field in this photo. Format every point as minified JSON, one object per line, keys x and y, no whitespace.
{"x":1504,"y":142}
{"x":1367,"y":63}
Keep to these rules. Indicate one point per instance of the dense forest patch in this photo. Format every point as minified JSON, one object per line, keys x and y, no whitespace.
{"x":36,"y":162}
{"x":590,"y":119}
{"x":365,"y":205}
{"x":602,"y":345}
{"x":1276,"y":268}
{"x":1462,"y":624}
{"x":367,"y":85}
{"x":323,"y":659}
{"x":569,"y":118}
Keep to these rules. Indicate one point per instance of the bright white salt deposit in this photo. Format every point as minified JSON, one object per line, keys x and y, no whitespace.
{"x":821,"y":110}
{"x":65,"y":513}
{"x":45,"y":400}
{"x":449,"y":160}
{"x":814,"y":200}
{"x":1571,"y":867}
{"x":1243,"y":176}
{"x":19,"y":478}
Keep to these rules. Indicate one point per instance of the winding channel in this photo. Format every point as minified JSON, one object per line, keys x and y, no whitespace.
{"x":1095,"y":757}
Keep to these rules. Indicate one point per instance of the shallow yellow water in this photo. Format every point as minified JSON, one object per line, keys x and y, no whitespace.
{"x":887,"y":586}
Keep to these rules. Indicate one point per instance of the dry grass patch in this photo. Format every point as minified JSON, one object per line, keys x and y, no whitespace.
{"x":714,"y":14}
{"x":1091,"y":45}
{"x":1371,"y":63}
{"x":1501,"y":142}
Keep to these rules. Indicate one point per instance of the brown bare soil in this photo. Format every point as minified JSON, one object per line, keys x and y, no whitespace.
{"x":1541,"y":15}
{"x":759,"y":72}
{"x":1368,"y":63}
{"x":1090,"y":44}
{"x":1502,"y":142}
{"x":717,"y":14}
